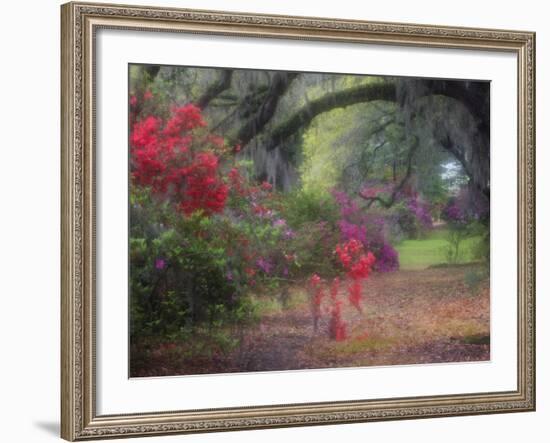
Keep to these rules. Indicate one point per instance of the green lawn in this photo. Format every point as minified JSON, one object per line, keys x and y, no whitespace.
{"x":429,"y":251}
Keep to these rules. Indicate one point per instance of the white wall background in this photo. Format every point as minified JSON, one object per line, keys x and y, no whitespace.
{"x":29,"y":219}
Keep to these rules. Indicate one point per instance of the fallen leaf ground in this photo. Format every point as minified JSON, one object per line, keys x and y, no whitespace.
{"x":408,"y":317}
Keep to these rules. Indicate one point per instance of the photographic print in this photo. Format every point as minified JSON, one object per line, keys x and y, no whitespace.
{"x":297,"y":220}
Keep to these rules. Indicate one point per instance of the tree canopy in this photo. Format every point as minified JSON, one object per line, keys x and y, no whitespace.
{"x":394,"y":128}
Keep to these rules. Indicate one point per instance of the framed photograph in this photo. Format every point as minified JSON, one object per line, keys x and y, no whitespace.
{"x":282,"y":221}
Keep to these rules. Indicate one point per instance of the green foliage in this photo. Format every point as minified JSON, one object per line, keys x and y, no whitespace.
{"x":312,"y":215}
{"x":455,"y":236}
{"x":434,"y":190}
{"x":315,"y":243}
{"x":408,"y":223}
{"x":340,"y":146}
{"x":481,"y":249}
{"x":303,"y":206}
{"x":323,"y":155}
{"x":179,"y":275}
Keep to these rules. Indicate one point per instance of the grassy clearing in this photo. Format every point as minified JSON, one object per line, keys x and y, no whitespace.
{"x":430,"y":251}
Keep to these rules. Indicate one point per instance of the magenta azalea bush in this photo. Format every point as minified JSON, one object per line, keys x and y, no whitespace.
{"x":369,"y":229}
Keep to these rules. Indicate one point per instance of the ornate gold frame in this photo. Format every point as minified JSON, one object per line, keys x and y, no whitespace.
{"x":79,"y":420}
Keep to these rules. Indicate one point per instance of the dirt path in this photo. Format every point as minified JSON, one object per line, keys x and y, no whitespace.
{"x":279,"y":343}
{"x":407,"y":317}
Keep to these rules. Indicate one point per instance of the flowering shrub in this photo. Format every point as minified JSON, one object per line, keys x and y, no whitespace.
{"x":177,"y":162}
{"x":466,"y":207}
{"x":187,"y":266}
{"x":271,"y":253}
{"x":413,"y":213}
{"x":317,"y":291}
{"x":420,"y":210}
{"x":337,"y":326}
{"x":454,"y":214}
{"x":467,"y":214}
{"x":357,"y":266}
{"x":352,"y":231}
{"x":388,"y":258}
{"x":367,"y":228}
{"x":184,"y":271}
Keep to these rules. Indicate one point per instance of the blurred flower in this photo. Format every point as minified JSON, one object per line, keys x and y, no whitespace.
{"x":279,"y":222}
{"x":265,"y":265}
{"x":160,"y":263}
{"x":314,"y":280}
{"x":289,"y":233}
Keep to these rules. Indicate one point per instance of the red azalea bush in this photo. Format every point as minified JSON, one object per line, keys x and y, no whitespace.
{"x":178,"y":162}
{"x":204,"y":231}
{"x":337,"y":327}
{"x":188,"y":267}
{"x":357,"y":264}
{"x":318,"y":293}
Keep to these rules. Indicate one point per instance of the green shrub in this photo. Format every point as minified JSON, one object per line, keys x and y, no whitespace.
{"x":301,"y":207}
{"x":179,"y":276}
{"x":481,"y":249}
{"x":314,"y":245}
{"x":455,"y":236}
